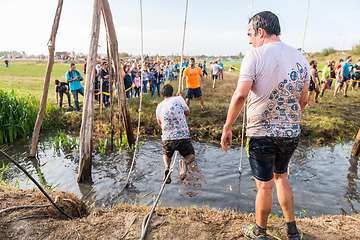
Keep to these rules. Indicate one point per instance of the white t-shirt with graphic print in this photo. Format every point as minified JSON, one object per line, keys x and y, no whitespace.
{"x":279,"y":73}
{"x":173,"y":121}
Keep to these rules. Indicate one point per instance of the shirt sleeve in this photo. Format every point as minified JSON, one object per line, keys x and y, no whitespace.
{"x":68,"y":76}
{"x":248,"y":68}
{"x":158,"y":112}
{"x":307,"y":72}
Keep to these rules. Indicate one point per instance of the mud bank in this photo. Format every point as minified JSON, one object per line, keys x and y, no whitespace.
{"x":124,"y":221}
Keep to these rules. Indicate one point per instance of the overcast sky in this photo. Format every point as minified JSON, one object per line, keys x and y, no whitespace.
{"x":213,"y":27}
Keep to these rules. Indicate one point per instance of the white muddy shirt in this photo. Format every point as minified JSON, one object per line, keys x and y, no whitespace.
{"x":173,"y":121}
{"x":215,"y":69}
{"x":279,"y":73}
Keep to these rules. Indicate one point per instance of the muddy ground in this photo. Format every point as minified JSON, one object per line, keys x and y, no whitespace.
{"x":125,"y":221}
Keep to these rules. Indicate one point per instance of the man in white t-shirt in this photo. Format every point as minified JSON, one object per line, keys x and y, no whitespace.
{"x":275,"y":79}
{"x":215,"y":69}
{"x":171,"y":116}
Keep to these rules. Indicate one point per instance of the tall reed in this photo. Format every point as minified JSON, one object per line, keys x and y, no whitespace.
{"x":17,"y":116}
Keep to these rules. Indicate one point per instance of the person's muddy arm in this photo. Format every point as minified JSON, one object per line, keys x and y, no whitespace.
{"x":236,"y":104}
{"x":159,"y":122}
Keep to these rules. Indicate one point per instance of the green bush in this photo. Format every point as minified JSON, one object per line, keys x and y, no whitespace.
{"x":327,"y":51}
{"x":17,"y":116}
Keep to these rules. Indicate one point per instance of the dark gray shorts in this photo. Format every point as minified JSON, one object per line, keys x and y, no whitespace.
{"x":184,"y":147}
{"x":270,"y":154}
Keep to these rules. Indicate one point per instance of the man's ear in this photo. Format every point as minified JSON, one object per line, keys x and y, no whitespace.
{"x":261,"y":31}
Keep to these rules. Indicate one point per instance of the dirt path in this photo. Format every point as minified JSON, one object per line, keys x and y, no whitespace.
{"x":124,"y":222}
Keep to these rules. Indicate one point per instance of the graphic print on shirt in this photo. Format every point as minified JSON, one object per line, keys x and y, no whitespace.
{"x":282,"y":115}
{"x":175,"y":126}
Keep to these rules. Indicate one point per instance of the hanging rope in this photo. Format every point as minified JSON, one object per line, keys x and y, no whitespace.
{"x":147,"y":218}
{"x":141,"y":95}
{"x":244,"y":114}
{"x":182,"y":50}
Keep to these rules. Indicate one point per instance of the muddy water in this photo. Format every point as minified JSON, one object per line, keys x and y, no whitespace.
{"x":325,"y":180}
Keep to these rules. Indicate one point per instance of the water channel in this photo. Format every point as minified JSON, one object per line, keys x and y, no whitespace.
{"x":325,"y":179}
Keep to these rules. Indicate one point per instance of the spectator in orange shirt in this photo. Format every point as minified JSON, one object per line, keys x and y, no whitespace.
{"x":193,"y":89}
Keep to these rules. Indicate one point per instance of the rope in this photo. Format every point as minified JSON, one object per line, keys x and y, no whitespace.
{"x":36,"y":183}
{"x":243,"y":125}
{"x":147,"y":218}
{"x":242,"y":139}
{"x":141,"y":95}
{"x":182,"y":50}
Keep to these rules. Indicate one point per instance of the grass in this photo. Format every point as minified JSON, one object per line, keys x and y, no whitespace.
{"x":330,"y":119}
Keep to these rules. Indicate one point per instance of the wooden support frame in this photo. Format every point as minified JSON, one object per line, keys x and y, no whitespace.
{"x":114,"y":53}
{"x":87,"y":124}
{"x":41,"y":113}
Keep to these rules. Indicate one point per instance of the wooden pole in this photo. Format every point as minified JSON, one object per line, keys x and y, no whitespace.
{"x":111,"y":92}
{"x":87,"y":123}
{"x":122,"y":100}
{"x":356,"y":148}
{"x":41,"y":113}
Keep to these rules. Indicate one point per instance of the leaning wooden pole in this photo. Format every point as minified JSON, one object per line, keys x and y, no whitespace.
{"x":87,"y":123}
{"x":41,"y":113}
{"x":122,"y":102}
{"x":111,"y":92}
{"x":356,"y":148}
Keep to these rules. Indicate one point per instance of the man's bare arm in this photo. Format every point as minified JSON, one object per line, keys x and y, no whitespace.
{"x":203,"y":80}
{"x":183,"y":82}
{"x":304,"y":97}
{"x":236,"y":104}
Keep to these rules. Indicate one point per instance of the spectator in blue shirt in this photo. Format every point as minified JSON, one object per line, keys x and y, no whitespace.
{"x":73,"y":77}
{"x":344,"y":76}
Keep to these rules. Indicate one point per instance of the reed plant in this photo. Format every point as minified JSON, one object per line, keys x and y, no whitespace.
{"x":17,"y":116}
{"x":64,"y":141}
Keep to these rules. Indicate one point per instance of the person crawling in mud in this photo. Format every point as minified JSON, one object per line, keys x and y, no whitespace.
{"x":171,"y":116}
{"x":275,"y":78}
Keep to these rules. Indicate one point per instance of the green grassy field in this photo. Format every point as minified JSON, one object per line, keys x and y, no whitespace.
{"x":27,"y":78}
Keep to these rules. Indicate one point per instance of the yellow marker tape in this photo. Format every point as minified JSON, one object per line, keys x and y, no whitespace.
{"x":232,"y":67}
{"x":106,"y":93}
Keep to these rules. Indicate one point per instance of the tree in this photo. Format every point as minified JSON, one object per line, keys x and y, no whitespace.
{"x":124,"y":54}
{"x":240,"y":55}
{"x":355,"y":50}
{"x":327,"y":51}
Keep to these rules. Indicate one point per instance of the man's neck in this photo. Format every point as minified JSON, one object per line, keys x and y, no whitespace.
{"x":271,"y":39}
